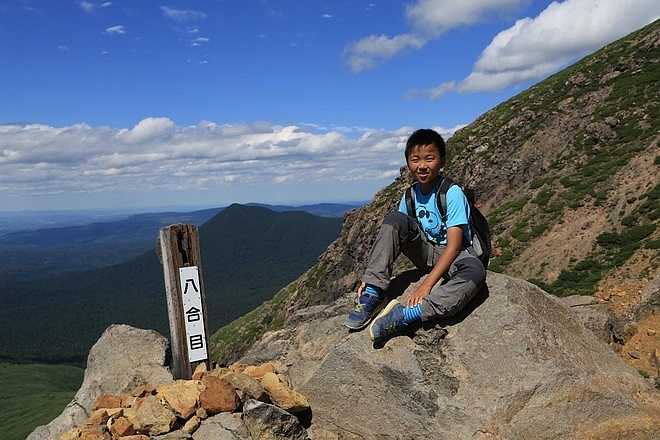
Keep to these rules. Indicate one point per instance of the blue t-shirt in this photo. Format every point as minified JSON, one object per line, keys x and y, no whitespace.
{"x":458,"y":213}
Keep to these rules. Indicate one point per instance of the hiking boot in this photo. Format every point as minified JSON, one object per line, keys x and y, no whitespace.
{"x":366,"y":309}
{"x":388,"y":322}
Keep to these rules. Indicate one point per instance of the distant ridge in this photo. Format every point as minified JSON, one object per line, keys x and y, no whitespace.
{"x":73,"y":247}
{"x":320,"y":209}
{"x":133,"y":227}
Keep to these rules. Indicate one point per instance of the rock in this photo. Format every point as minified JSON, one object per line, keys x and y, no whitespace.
{"x":98,"y":417}
{"x":121,"y":427}
{"x":269,"y":422}
{"x":224,"y":426}
{"x":201,"y":413}
{"x":516,"y":364}
{"x":107,"y":401}
{"x":87,"y":433}
{"x":171,"y":410}
{"x":246,"y":386}
{"x":597,"y":318}
{"x":121,"y":360}
{"x":153,"y":418}
{"x":199,"y":372}
{"x":192,"y":424}
{"x":174,"y":435}
{"x":578,"y":300}
{"x":258,"y":371}
{"x":218,"y":396}
{"x":181,"y":396}
{"x":601,"y":131}
{"x":283,"y":396}
{"x":143,"y":391}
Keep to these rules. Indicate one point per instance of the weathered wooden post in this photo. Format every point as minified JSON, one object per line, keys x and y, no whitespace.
{"x":179,"y":252}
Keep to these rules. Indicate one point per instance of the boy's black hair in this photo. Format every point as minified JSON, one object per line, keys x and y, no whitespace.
{"x":425,"y":136}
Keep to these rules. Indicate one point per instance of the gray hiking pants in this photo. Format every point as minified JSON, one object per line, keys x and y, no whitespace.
{"x":400,"y":233}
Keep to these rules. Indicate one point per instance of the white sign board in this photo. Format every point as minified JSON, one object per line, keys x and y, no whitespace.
{"x":193,"y":313}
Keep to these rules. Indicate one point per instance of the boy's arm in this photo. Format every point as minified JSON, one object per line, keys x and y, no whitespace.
{"x":454,"y":241}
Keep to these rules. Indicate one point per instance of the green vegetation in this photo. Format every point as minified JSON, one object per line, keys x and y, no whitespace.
{"x":503,"y":212}
{"x":614,"y":250}
{"x":314,"y":275}
{"x":33,"y":395}
{"x":388,"y":195}
{"x":650,"y":208}
{"x":242,"y":332}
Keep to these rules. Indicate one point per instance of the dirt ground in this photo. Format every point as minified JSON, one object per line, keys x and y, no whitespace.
{"x":642,"y":351}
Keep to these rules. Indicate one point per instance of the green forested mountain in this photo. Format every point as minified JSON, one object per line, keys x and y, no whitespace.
{"x":248,"y":253}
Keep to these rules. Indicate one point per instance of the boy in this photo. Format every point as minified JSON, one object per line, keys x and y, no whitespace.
{"x":436,"y":247}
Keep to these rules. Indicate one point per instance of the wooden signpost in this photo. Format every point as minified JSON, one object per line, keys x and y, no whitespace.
{"x":179,"y":253}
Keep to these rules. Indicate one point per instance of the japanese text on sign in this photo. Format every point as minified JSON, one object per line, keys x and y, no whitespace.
{"x":192,"y":313}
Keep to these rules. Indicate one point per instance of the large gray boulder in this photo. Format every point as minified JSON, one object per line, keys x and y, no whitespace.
{"x":122,"y":359}
{"x":518,"y":364}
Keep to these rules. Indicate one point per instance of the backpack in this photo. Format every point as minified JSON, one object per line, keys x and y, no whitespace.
{"x":481,"y":239}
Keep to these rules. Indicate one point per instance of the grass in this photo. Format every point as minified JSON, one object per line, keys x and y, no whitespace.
{"x":34,"y":394}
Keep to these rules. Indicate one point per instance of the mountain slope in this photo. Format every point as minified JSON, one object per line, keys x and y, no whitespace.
{"x":567,"y":173}
{"x":248,"y":253}
{"x":568,"y":170}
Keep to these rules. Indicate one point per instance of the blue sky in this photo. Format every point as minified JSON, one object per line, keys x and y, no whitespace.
{"x":144,"y":104}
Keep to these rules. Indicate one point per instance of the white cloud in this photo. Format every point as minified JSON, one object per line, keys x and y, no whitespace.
{"x":90,"y":7}
{"x":119,"y":29}
{"x":428,"y":19}
{"x":536,"y":47}
{"x":146,"y":130}
{"x":199,"y":41}
{"x":373,"y":50}
{"x":86,"y":6}
{"x":182,"y":14}
{"x":156,"y":155}
{"x":433,"y":17}
{"x":531,"y":49}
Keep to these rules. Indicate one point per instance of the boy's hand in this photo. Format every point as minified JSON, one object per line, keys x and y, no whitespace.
{"x":454,"y":238}
{"x":417,"y":296}
{"x":363,"y":285}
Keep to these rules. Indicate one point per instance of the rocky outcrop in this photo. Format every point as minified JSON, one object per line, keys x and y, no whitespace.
{"x":517,"y":364}
{"x":123,"y":359}
{"x":128,"y":393}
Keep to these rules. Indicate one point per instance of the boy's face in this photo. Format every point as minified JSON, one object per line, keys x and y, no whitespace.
{"x":425,"y":163}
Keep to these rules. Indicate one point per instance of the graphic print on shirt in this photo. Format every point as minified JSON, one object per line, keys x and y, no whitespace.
{"x":429,"y":220}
